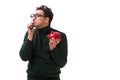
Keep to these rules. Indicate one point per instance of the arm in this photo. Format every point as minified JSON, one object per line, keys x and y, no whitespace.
{"x":59,"y":53}
{"x":26,"y":49}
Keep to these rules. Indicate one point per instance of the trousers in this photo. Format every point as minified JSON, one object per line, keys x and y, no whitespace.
{"x":42,"y":78}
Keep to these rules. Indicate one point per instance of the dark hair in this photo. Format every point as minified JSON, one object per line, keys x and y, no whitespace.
{"x":47,"y":12}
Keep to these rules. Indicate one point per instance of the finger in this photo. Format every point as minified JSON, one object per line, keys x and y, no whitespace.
{"x":52,"y":39}
{"x":58,"y":42}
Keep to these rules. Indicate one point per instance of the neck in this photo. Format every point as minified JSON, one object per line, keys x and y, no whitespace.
{"x":45,"y":25}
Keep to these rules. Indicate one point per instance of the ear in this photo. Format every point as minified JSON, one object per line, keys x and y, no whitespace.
{"x":47,"y":20}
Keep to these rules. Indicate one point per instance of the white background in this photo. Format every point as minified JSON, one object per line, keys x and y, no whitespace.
{"x":92,"y":28}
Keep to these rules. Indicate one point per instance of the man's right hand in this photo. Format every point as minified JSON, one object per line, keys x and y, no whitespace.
{"x":30,"y":30}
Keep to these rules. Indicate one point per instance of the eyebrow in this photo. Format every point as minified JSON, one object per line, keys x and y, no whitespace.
{"x":39,"y":13}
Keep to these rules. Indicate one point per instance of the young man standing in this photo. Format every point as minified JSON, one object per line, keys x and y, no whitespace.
{"x":45,"y":52}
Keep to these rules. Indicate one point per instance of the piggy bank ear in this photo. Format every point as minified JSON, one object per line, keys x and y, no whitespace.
{"x":50,"y":36}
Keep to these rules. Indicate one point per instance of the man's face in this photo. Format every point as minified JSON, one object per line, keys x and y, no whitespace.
{"x":39,"y":20}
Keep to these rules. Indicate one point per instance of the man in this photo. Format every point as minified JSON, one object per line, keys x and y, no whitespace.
{"x":45,"y":55}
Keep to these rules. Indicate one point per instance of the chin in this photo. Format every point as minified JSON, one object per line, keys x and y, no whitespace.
{"x":35,"y":25}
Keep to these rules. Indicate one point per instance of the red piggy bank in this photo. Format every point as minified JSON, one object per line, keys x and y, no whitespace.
{"x":55,"y":35}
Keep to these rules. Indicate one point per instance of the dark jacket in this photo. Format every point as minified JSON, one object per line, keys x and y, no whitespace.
{"x":42,"y":61}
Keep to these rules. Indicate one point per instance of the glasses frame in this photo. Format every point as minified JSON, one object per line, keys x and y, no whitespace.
{"x":36,"y":15}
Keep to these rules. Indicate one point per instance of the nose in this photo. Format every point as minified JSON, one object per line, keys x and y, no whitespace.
{"x":33,"y":18}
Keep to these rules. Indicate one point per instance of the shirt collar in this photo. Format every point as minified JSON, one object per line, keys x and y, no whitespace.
{"x":45,"y":30}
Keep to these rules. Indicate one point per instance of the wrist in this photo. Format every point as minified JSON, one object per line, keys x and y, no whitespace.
{"x":30,"y":37}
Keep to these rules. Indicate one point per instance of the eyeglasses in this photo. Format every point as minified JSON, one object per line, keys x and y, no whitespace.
{"x":36,"y":15}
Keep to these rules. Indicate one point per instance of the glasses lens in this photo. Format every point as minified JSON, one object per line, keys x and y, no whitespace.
{"x":32,"y":15}
{"x":36,"y":15}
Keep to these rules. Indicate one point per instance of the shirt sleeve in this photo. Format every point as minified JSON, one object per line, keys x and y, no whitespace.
{"x":59,"y":54}
{"x":26,"y":49}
